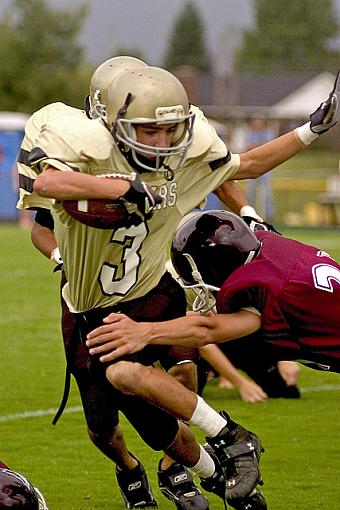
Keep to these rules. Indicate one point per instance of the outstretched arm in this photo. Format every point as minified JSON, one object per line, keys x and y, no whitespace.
{"x":120,"y":335}
{"x":264,"y":158}
{"x":248,"y":389}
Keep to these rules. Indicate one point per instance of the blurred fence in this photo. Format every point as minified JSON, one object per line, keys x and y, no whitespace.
{"x":297,"y":202}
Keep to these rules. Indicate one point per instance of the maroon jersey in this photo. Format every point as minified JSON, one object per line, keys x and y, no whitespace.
{"x":296,"y":287}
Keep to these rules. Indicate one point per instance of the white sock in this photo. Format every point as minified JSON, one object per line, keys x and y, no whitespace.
{"x":207,"y":419}
{"x":205,"y":466}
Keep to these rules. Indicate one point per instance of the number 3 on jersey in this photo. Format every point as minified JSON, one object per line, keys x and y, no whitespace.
{"x":120,"y":279}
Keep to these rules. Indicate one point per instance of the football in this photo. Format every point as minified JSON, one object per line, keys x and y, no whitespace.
{"x":98,"y":213}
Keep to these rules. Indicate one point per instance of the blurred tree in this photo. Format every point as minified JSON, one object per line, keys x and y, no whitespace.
{"x":40,"y":60}
{"x":187,"y":45}
{"x":291,"y":35}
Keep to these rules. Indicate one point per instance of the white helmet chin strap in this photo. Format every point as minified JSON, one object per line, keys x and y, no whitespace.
{"x":204,"y":301}
{"x":251,"y":255}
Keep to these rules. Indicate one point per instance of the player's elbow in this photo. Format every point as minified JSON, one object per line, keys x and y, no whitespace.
{"x":205,"y":336}
{"x":248,"y":168}
{"x":43,"y":186}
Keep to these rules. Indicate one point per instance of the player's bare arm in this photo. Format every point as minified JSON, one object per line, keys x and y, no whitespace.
{"x":121,"y":335}
{"x":53,"y":183}
{"x":248,"y":389}
{"x":231,"y":194}
{"x":264,"y":158}
{"x":43,"y":239}
{"x":233,"y":197}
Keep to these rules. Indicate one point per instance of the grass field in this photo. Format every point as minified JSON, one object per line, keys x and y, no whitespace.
{"x":302,"y":440}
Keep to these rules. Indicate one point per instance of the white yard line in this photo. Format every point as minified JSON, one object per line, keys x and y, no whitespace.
{"x":77,"y":409}
{"x":38,"y":412}
{"x":324,"y":387}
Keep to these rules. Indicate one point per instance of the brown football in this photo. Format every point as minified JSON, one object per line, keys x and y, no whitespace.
{"x":98,"y":213}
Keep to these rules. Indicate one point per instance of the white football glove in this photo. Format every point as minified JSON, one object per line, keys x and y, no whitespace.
{"x":324,"y":117}
{"x":55,"y":256}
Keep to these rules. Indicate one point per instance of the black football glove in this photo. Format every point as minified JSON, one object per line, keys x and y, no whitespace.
{"x":256,"y":225}
{"x":142,"y":195}
{"x":326,"y":116}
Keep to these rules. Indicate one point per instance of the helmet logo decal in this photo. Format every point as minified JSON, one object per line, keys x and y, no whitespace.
{"x":170,"y":113}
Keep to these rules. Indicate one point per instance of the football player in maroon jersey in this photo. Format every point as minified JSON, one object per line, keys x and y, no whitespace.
{"x":287,"y":290}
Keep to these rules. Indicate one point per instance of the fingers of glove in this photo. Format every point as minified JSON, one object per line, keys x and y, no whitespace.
{"x":333,"y":110}
{"x":326,"y":115}
{"x":256,"y":225}
{"x":154,"y":198}
{"x":253,"y":223}
{"x":142,"y":195}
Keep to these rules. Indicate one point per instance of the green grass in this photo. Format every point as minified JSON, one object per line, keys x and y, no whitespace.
{"x":302,"y":440}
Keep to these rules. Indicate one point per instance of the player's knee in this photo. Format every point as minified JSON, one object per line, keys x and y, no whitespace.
{"x":127,"y":377}
{"x":107,"y":443}
{"x":186,"y":374}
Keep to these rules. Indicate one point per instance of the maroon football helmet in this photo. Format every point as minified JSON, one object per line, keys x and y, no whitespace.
{"x":209,"y":246}
{"x":17,"y":492}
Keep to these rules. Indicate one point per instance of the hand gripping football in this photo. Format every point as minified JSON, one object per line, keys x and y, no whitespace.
{"x":98,"y":213}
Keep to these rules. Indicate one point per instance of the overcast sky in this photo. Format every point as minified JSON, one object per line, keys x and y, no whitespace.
{"x":147,"y":23}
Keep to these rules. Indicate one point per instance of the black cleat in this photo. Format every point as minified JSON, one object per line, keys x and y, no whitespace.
{"x":176,"y":483}
{"x":255,"y":501}
{"x":238,"y":451}
{"x":135,"y":488}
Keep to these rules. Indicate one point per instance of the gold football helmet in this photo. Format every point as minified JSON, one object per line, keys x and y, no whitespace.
{"x":101,"y":79}
{"x":150,"y":96}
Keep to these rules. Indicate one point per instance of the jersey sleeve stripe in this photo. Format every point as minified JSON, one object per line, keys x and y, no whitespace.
{"x":214,"y":165}
{"x":26,"y":183}
{"x":23,"y":157}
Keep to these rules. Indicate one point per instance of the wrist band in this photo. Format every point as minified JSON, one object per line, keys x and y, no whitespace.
{"x":55,"y":256}
{"x":248,"y":210}
{"x":305,"y":134}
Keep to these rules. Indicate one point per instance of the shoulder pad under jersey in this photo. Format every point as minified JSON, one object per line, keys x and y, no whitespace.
{"x":205,"y":139}
{"x":75,"y":139}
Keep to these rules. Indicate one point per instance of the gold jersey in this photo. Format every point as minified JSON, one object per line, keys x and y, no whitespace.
{"x":106,"y":267}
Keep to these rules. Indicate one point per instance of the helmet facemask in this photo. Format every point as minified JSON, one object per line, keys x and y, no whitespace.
{"x":204,"y":301}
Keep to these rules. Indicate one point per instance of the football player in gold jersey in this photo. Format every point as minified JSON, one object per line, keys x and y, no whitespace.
{"x":180,"y":362}
{"x":148,"y":126}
